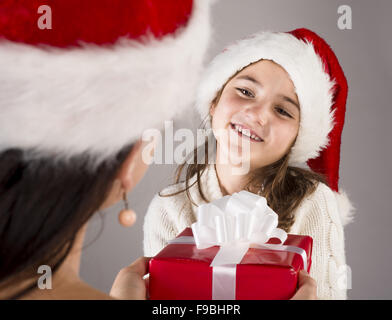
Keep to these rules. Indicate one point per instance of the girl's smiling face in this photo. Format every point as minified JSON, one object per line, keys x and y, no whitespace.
{"x":262,"y":99}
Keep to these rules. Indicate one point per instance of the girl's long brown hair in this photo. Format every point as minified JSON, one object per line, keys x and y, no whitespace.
{"x":283,"y":186}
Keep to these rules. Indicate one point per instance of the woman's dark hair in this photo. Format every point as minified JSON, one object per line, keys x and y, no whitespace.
{"x":43,"y":204}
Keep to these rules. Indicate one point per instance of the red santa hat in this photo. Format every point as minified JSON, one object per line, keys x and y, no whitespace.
{"x":320,"y":85}
{"x":90,"y":76}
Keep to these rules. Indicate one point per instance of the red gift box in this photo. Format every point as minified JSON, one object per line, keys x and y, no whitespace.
{"x":183,"y":272}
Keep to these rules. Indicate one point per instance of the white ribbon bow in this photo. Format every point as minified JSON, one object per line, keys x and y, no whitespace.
{"x":235,"y":223}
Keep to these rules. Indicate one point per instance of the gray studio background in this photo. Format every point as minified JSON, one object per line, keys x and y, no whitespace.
{"x":365,"y":54}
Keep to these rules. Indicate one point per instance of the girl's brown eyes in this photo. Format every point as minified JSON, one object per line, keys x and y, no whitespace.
{"x":249,"y":94}
{"x":245,"y":92}
{"x":283,"y":112}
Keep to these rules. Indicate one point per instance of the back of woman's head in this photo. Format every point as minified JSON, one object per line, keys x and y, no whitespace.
{"x":84,"y":106}
{"x":43,"y":204}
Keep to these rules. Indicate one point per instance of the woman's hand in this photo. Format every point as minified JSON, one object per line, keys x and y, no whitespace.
{"x":129,"y":283}
{"x":307,"y":287}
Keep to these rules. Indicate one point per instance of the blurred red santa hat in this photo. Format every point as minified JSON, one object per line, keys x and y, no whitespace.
{"x":90,"y":76}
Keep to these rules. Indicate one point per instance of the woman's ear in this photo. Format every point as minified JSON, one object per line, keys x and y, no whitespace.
{"x":132,"y":171}
{"x":136,"y":164}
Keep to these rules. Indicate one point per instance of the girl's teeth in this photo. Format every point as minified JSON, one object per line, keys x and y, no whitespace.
{"x":246,"y":133}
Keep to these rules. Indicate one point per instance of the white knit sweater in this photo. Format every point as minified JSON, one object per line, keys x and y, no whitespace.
{"x":319,"y":216}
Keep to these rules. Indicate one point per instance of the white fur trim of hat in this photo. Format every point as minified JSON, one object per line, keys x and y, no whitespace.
{"x":96,"y":99}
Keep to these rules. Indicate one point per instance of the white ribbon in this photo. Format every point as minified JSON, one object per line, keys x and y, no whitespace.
{"x":236,"y":223}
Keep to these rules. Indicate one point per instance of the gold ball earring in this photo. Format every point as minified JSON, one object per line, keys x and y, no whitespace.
{"x":126,"y":217}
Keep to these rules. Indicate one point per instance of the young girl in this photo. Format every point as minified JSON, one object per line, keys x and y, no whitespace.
{"x":285,"y":93}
